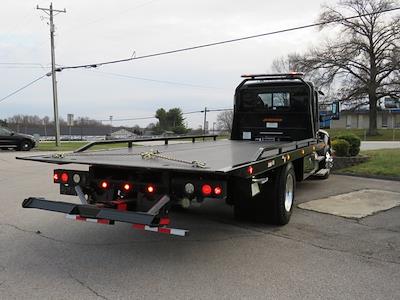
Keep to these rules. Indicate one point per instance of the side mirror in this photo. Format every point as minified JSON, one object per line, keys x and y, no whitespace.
{"x":12,"y":133}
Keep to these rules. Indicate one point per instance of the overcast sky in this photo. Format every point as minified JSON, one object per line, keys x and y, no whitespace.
{"x":94,"y":31}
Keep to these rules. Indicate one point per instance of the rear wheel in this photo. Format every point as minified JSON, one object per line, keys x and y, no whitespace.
{"x":278,"y":199}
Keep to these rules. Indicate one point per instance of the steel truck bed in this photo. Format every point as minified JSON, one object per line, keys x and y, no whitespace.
{"x":218,"y":156}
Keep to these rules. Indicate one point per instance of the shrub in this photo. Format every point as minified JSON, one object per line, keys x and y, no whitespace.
{"x":354,"y":142}
{"x":341,"y":147}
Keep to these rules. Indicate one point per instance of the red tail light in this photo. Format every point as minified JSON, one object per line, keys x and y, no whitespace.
{"x":127,"y":187}
{"x":64,"y":177}
{"x":206,"y":190}
{"x":104,"y":184}
{"x":217,"y":190}
{"x":151,"y":189}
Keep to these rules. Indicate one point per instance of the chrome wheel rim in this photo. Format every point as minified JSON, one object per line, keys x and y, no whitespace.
{"x":289,"y":192}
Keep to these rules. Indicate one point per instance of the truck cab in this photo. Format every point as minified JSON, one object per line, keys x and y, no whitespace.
{"x":281,"y":107}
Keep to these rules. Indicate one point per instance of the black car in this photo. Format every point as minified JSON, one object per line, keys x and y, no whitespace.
{"x":19,"y":141}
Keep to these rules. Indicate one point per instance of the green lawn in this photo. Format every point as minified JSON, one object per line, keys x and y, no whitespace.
{"x":381,"y":163}
{"x":65,"y":146}
{"x":384,"y":134}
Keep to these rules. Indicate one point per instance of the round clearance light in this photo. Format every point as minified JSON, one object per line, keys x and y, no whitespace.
{"x":151,"y":189}
{"x":189,"y":188}
{"x":56,"y":177}
{"x":206,"y":190}
{"x":76,"y":178}
{"x":127,"y":187}
{"x":104,"y":184}
{"x":217,"y":190}
{"x":64,"y":177}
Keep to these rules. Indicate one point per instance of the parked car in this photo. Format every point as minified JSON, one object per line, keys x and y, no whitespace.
{"x":18,"y":141}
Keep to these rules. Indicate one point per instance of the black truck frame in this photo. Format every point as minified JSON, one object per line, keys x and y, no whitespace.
{"x":275,"y":141}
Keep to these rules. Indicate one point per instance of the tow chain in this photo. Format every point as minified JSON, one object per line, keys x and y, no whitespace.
{"x":156,"y":154}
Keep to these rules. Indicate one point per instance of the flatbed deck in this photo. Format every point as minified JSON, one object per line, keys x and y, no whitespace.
{"x":219,"y":156}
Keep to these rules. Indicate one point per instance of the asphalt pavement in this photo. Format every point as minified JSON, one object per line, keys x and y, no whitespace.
{"x":316,"y":256}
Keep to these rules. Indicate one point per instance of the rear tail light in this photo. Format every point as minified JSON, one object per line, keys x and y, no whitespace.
{"x":64,"y":177}
{"x":206,"y":190}
{"x":104,"y":184}
{"x":217,"y":190}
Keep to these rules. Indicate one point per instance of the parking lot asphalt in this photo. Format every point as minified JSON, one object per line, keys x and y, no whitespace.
{"x":316,"y":256}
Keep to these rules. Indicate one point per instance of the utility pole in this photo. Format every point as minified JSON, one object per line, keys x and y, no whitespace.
{"x":111,"y":125}
{"x":205,"y":121}
{"x":50,"y":11}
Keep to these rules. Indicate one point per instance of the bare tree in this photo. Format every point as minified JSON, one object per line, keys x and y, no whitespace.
{"x":285,"y":64}
{"x":225,"y":120}
{"x":364,"y":56}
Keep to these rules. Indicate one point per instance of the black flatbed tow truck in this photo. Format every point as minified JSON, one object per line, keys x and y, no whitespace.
{"x":275,"y":142}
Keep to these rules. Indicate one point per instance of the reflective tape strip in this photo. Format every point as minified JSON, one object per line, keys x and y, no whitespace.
{"x":171,"y":231}
{"x":79,"y":218}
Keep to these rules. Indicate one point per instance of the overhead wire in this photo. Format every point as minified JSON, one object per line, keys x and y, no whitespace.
{"x":22,"y":88}
{"x":153,"y":117}
{"x":95,"y":65}
{"x":317,"y":24}
{"x":155,"y":80}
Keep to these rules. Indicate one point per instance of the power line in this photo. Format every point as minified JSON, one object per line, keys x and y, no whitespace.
{"x":153,"y":117}
{"x":155,"y":80}
{"x":22,"y":88}
{"x":95,"y":65}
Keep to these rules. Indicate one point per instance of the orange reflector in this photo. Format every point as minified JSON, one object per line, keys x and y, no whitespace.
{"x":151,"y":189}
{"x":127,"y":187}
{"x":206,"y":189}
{"x":217,"y":190}
{"x":64,"y":177}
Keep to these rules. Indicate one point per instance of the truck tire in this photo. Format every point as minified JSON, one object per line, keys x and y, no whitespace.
{"x":279,"y":197}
